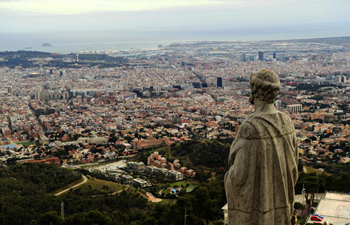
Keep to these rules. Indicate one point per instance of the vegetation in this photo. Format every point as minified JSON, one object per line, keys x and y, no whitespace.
{"x":26,"y":200}
{"x":25,"y":192}
{"x":182,"y":185}
{"x":323,"y":182}
{"x":98,"y":187}
{"x":23,"y":58}
{"x":208,"y":158}
{"x":202,"y":206}
{"x":38,"y":177}
{"x":211,"y":154}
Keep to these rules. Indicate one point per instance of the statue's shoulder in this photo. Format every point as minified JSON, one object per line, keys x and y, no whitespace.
{"x":248,"y":130}
{"x":255,"y":126}
{"x":278,"y":118}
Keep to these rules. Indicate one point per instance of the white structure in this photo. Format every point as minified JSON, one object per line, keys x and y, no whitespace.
{"x":225,"y":209}
{"x":175,"y":175}
{"x":295,"y":108}
{"x":341,"y":79}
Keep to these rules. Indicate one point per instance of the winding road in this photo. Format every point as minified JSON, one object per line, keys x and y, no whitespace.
{"x":74,"y":186}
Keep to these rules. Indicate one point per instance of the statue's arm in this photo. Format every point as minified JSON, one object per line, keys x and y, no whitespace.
{"x":296,"y":157}
{"x":233,"y":152}
{"x":242,"y":140}
{"x":242,"y":161}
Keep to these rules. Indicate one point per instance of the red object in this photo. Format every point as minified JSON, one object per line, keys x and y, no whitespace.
{"x":316,"y":218}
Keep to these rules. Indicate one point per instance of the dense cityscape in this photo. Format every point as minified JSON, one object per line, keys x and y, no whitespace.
{"x":135,"y":118}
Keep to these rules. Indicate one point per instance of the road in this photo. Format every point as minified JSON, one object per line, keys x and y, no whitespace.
{"x":299,"y":198}
{"x":77,"y":185}
{"x":152,"y":198}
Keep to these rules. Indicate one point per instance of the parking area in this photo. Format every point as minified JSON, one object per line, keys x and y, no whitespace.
{"x":335,"y":208}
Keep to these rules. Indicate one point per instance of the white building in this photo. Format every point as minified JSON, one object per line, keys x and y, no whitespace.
{"x":295,"y":108}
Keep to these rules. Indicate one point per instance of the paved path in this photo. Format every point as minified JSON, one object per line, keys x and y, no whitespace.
{"x":299,"y":198}
{"x":77,"y":185}
{"x":152,"y":198}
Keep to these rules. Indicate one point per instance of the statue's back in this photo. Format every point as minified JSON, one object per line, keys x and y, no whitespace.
{"x":260,"y":182}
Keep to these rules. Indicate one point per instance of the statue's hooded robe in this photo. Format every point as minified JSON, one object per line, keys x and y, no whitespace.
{"x":263,"y":171}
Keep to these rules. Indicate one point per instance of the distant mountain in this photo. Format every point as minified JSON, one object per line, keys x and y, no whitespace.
{"x":25,"y":59}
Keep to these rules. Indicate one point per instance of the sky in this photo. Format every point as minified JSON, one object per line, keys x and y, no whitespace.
{"x":325,"y":17}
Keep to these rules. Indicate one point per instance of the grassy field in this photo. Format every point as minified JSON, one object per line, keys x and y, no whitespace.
{"x":308,"y":169}
{"x":67,"y":186}
{"x":97,"y":186}
{"x":180,"y":184}
{"x":167,"y":201}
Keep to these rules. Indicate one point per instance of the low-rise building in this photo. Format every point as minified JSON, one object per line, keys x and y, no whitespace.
{"x":136,"y":166}
{"x":175,"y":175}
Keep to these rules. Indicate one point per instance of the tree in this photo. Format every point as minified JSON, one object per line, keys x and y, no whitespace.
{"x":51,"y":218}
{"x":298,"y":206}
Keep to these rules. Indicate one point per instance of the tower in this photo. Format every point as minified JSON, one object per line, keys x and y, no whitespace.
{"x":9,"y":89}
{"x":261,"y":56}
{"x":219,"y":82}
{"x":62,"y":210}
{"x":243,"y":57}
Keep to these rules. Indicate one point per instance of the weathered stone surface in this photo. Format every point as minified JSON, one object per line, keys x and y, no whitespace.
{"x":263,"y":160}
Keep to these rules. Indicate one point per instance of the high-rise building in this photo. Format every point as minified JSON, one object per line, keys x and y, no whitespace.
{"x":9,"y":90}
{"x":178,"y":86}
{"x":341,"y":79}
{"x":261,"y":56}
{"x":275,"y":55}
{"x":251,"y":57}
{"x":196,"y":85}
{"x":243,"y":57}
{"x":219,"y":82}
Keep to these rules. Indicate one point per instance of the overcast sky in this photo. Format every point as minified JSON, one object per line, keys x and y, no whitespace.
{"x":91,"y":15}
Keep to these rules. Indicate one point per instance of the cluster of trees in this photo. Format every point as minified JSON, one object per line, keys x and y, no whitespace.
{"x":212,"y":154}
{"x":204,"y":156}
{"x":38,"y":176}
{"x":202,"y":206}
{"x":323,"y":182}
{"x":26,"y":199}
{"x":25,"y":196}
{"x":23,"y":58}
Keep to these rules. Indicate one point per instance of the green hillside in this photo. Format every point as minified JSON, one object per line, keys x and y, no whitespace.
{"x":207,"y":157}
{"x":36,"y":177}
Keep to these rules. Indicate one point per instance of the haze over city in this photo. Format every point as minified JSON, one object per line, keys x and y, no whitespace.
{"x":89,"y":23}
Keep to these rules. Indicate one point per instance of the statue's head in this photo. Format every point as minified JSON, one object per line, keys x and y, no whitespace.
{"x":265,"y":85}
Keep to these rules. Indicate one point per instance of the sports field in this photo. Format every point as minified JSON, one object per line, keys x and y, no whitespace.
{"x":335,"y":208}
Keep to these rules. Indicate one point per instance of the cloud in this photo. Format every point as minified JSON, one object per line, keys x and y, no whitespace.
{"x":102,"y":15}
{"x":83,"y":6}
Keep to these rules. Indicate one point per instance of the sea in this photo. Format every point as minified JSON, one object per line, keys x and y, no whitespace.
{"x":65,"y":42}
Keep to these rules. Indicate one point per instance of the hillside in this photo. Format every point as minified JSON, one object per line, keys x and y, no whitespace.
{"x":26,"y":199}
{"x":211,"y":154}
{"x":207,"y":157}
{"x":37,"y":177}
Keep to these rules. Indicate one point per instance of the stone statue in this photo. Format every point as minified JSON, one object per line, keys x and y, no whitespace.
{"x":263,"y":160}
